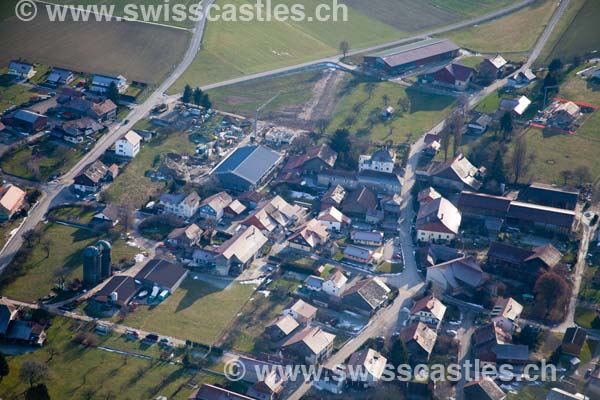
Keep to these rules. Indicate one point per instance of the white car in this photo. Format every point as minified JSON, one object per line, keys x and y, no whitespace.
{"x":452,"y":332}
{"x":455,"y":322}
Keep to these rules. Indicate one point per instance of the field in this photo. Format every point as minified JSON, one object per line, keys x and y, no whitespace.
{"x":197,"y":311}
{"x":230,"y":49}
{"x":581,"y":36}
{"x":97,"y":374}
{"x":559,"y":31}
{"x":51,"y":156}
{"x":12,"y":94}
{"x":65,"y":252}
{"x":506,"y":34}
{"x":140,"y":52}
{"x":364,"y":101}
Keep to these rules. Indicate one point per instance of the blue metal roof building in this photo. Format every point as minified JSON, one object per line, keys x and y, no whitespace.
{"x":247,"y":167}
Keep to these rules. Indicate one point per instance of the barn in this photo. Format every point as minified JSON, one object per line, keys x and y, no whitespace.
{"x":412,"y":55}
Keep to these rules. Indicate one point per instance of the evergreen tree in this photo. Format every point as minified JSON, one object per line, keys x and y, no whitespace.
{"x":506,"y":124}
{"x":113,"y":93}
{"x":4,"y":368}
{"x":187,"y":94}
{"x":198,"y":96}
{"x":37,"y":392}
{"x":205,"y":102}
{"x":497,"y":169}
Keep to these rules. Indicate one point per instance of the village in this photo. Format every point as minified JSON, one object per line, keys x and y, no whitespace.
{"x":163,"y":228}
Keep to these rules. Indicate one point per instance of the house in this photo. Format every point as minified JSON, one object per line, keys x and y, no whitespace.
{"x":247,"y":168}
{"x":118,"y":291}
{"x":8,"y":313}
{"x":367,"y":295}
{"x":109,"y":215}
{"x":506,"y":313}
{"x":128,"y":145}
{"x":383,"y":160}
{"x":455,"y":76}
{"x":315,"y":159}
{"x":381,"y":182}
{"x":211,"y":392}
{"x":238,"y":252}
{"x":302,"y":312}
{"x":429,"y":310}
{"x":251,"y":199}
{"x":163,"y":274}
{"x":433,"y":144}
{"x":559,"y":394}
{"x":362,"y":254}
{"x":437,"y":220}
{"x":522,"y":264}
{"x":419,"y":340}
{"x":461,"y":275}
{"x":281,"y":327}
{"x":101,"y":83}
{"x":550,"y":196}
{"x":102,"y":111}
{"x":428,"y":195}
{"x":482,"y":206}
{"x":25,"y":333}
{"x":433,"y":254}
{"x":312,"y":345}
{"x":76,"y":130}
{"x":480,"y":123}
{"x":492,"y":68}
{"x":358,"y":202}
{"x":234,"y":209}
{"x":517,"y":106}
{"x":180,"y":204}
{"x":335,"y":283}
{"x":91,"y":179}
{"x":573,"y":341}
{"x":59,"y":77}
{"x":391,"y":205}
{"x":12,"y":199}
{"x":26,"y":121}
{"x":269,"y":388}
{"x":309,"y":236}
{"x":521,"y":79}
{"x":21,"y":69}
{"x":333,"y":219}
{"x":456,"y":174}
{"x":274,"y":214}
{"x":563,"y":114}
{"x":483,"y":389}
{"x":333,"y":197}
{"x":185,"y":238}
{"x":267,"y":379}
{"x":367,"y":367}
{"x":367,"y":238}
{"x":533,"y":216}
{"x":331,"y":380}
{"x":213,"y":207}
{"x":314,"y":283}
{"x":412,"y":55}
{"x":492,"y":344}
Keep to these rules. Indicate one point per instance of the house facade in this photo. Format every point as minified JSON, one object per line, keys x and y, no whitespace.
{"x":128,"y":145}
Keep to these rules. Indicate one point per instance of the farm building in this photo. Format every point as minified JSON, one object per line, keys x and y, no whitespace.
{"x":247,"y":167}
{"x":412,"y":55}
{"x":453,"y":76}
{"x":26,"y":121}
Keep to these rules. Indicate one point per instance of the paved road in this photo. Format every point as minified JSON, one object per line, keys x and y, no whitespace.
{"x":139,"y":112}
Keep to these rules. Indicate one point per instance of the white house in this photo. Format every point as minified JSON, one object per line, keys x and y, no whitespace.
{"x":437,"y":220}
{"x":182,"y":205}
{"x":101,"y":83}
{"x":333,"y":219}
{"x":368,"y":366}
{"x":429,"y":311}
{"x":506,"y":313}
{"x":335,"y":284}
{"x":382,"y":160}
{"x":128,"y":145}
{"x":21,"y":69}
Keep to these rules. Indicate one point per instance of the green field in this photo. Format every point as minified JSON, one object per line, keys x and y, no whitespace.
{"x":13,"y":94}
{"x":76,"y":372}
{"x":34,"y":271}
{"x":561,"y":27}
{"x":363,"y":99}
{"x":132,"y":186}
{"x":581,"y":36}
{"x":197,"y":311}
{"x":41,"y":160}
{"x":507,"y":34}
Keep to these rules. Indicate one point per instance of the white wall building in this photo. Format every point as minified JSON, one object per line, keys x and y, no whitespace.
{"x":128,"y":145}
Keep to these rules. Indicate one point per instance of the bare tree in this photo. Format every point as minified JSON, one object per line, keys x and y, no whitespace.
{"x":566,"y":175}
{"x":519,"y":159}
{"x":458,"y":123}
{"x":33,"y":371}
{"x":344,"y":47}
{"x":47,"y":246}
{"x":386,"y":100}
{"x":583,"y":174}
{"x":61,"y":277}
{"x":445,"y":140}
{"x":126,"y":215}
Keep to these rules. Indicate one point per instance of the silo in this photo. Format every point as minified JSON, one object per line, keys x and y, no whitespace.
{"x":92,"y":266}
{"x":106,"y":249}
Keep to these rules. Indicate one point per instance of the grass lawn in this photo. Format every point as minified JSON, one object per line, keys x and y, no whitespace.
{"x":78,"y":215}
{"x":472,"y":61}
{"x":97,"y":373}
{"x":132,"y":186}
{"x":584,"y":317}
{"x":197,"y":311}
{"x":390,"y":268}
{"x":579,"y":31}
{"x":531,"y":392}
{"x":363,"y":99}
{"x":559,"y":32}
{"x":507,"y":34}
{"x":51,"y":156}
{"x":13,"y":94}
{"x":577,"y":89}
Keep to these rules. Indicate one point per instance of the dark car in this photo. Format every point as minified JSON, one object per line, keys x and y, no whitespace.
{"x":151,"y":337}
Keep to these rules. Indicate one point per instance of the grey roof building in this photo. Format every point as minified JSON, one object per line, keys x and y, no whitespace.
{"x":247,"y":167}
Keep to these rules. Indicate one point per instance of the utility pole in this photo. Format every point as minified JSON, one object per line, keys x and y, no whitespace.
{"x":259,"y":109}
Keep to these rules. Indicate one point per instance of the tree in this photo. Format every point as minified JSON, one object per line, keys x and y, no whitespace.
{"x":519,"y":159}
{"x":188,"y":92}
{"x":506,"y":124}
{"x":37,"y":392}
{"x":33,"y":371}
{"x":61,"y":277}
{"x":344,"y":47}
{"x":340,"y":141}
{"x":529,"y":336}
{"x":552,"y":294}
{"x":583,"y":174}
{"x":497,"y":169}
{"x":398,"y":353}
{"x":47,"y":246}
{"x":445,"y":140}
{"x":205,"y":102}
{"x":386,"y":100}
{"x":126,"y":215}
{"x":566,"y":175}
{"x":555,"y":65}
{"x":112,"y":93}
{"x":197,"y":96}
{"x":4,"y":368}
{"x":457,"y":129}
